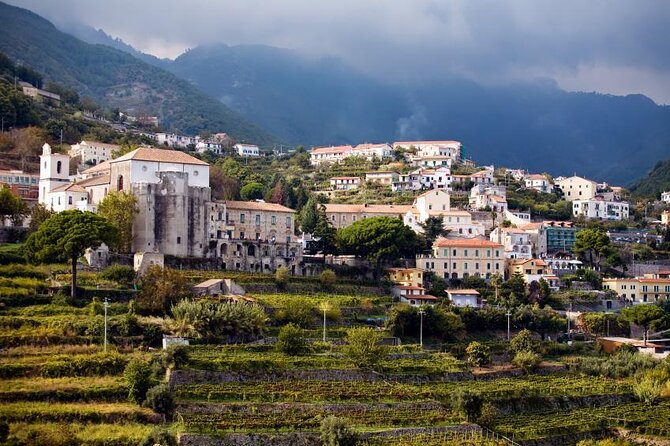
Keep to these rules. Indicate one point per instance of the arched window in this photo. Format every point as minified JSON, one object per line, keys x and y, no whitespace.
{"x":58,"y":166}
{"x":119,"y":183}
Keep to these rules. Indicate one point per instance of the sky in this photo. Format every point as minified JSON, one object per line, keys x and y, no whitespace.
{"x":616,"y":47}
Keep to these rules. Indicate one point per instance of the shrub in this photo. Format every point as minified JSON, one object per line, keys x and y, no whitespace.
{"x":523,"y":342}
{"x":488,"y":414}
{"x":328,"y":278}
{"x":138,"y":379}
{"x":121,"y":274}
{"x":363,"y":346}
{"x":298,"y":311}
{"x":292,"y":341}
{"x":335,"y":432}
{"x":478,"y":354}
{"x":95,"y":307}
{"x":4,"y":431}
{"x":618,"y":365}
{"x":526,"y":360}
{"x":159,"y":436}
{"x":175,"y":356}
{"x":468,"y":404}
{"x":648,"y":390}
{"x":281,"y":277}
{"x":160,"y":400}
{"x":214,"y":320}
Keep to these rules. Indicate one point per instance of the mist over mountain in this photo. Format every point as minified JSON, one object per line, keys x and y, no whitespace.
{"x":536,"y":125}
{"x":114,"y":78}
{"x":322,"y":101}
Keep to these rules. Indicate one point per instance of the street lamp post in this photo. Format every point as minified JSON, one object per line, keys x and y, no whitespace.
{"x":105,"y":305}
{"x":421,"y":313}
{"x":509,"y":314}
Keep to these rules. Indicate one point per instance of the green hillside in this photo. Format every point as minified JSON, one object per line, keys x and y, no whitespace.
{"x":116,"y":79}
{"x":657,"y":181}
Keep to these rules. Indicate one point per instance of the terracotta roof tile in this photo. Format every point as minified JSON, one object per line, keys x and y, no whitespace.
{"x":95,"y":181}
{"x":256,"y":206}
{"x":159,"y":155}
{"x":395,"y":209}
{"x":71,"y":187}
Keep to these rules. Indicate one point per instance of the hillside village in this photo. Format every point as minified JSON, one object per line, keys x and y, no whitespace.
{"x":159,"y":288}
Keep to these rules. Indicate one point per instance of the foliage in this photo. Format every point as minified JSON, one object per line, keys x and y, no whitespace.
{"x":252,"y":191}
{"x":137,"y":375}
{"x":281,"y":277}
{"x":335,"y":432}
{"x":379,"y":239}
{"x":291,"y":341}
{"x":542,"y":320}
{"x":526,"y":360}
{"x":298,"y":311}
{"x":119,"y":208}
{"x":175,"y":356}
{"x":644,"y":316}
{"x":468,"y":404}
{"x":159,"y":398}
{"x":159,"y":436}
{"x":11,"y":206}
{"x":597,"y":324}
{"x":327,"y":278}
{"x":523,"y":342}
{"x":121,"y":274}
{"x":479,"y":354}
{"x":309,"y":215}
{"x":404,"y":320}
{"x":65,"y":236}
{"x":433,"y":228}
{"x":618,"y":365}
{"x":648,"y":389}
{"x":363,"y":347}
{"x":160,"y":288}
{"x":219,"y":321}
{"x":592,"y":245}
{"x":657,"y":181}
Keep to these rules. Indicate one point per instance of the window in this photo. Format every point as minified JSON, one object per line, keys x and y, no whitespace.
{"x":258,"y":219}
{"x":476,"y":253}
{"x":69,"y":199}
{"x":446,"y":265}
{"x":454,"y":265}
{"x":258,"y":236}
{"x":465,"y":252}
{"x":454,"y":252}
{"x":465,"y":265}
{"x":242,"y":234}
{"x":242,"y":218}
{"x":179,"y":240}
{"x":273,"y":220}
{"x":288,"y":221}
{"x":58,"y":167}
{"x":476,"y":265}
{"x":119,"y":183}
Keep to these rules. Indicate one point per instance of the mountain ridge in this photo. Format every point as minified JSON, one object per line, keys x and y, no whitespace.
{"x":115,"y":78}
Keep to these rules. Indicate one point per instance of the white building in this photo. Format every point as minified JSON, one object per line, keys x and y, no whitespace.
{"x":665,"y":197}
{"x":371,"y":151}
{"x":174,"y":140}
{"x":577,"y":188}
{"x":489,"y":197}
{"x":435,"y":203}
{"x":247,"y":150}
{"x":383,"y":178}
{"x":205,"y":146}
{"x":516,"y":241}
{"x":54,"y":172}
{"x":423,"y":178}
{"x":538,"y":182}
{"x":465,"y":298}
{"x":345,"y":183}
{"x":93,"y":152}
{"x":331,"y":154}
{"x":599,"y":208}
{"x":432,"y":153}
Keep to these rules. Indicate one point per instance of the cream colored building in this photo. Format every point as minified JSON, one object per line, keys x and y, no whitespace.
{"x":530,"y":269}
{"x":646,"y":289}
{"x":93,"y":152}
{"x":577,"y":188}
{"x":461,"y":258}
{"x":253,"y":236}
{"x":516,"y":241}
{"x":383,"y":178}
{"x":345,"y":183}
{"x":342,"y":215}
{"x":371,"y":151}
{"x":408,"y":286}
{"x":320,"y":155}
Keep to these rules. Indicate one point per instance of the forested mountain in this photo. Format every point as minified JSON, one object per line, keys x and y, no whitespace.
{"x":532,"y":125}
{"x":657,"y":181}
{"x":116,"y":79}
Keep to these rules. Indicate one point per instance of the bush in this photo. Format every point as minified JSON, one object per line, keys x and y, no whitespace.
{"x":478,"y":354}
{"x":363,"y":347}
{"x":468,"y":404}
{"x":159,"y":436}
{"x":120,"y":274}
{"x":218,"y":321}
{"x":160,"y":400}
{"x":523,"y":342}
{"x":292,"y":341}
{"x":648,"y":390}
{"x":335,"y":432}
{"x":618,"y":365}
{"x":281,"y":277}
{"x":526,"y":361}
{"x":328,"y":278}
{"x":138,"y":379}
{"x":175,"y":356}
{"x":4,"y":431}
{"x":488,"y":414}
{"x":298,"y":311}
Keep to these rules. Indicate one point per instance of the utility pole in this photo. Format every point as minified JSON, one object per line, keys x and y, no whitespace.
{"x":105,"y":305}
{"x":421,"y":313}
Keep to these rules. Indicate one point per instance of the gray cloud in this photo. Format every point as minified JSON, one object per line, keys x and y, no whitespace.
{"x":609,"y":46}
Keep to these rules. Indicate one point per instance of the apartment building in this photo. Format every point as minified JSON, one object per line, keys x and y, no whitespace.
{"x":22,"y":184}
{"x":515,"y":240}
{"x":461,"y":258}
{"x":598,"y":208}
{"x":93,"y":152}
{"x":345,"y":183}
{"x":577,"y":188}
{"x":342,"y":215}
{"x":331,"y":154}
{"x":538,"y":182}
{"x":646,"y":289}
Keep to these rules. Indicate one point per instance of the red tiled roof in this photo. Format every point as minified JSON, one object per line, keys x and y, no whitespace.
{"x":334,"y":149}
{"x":159,"y":155}
{"x":95,"y":181}
{"x":255,"y":206}
{"x":465,"y":291}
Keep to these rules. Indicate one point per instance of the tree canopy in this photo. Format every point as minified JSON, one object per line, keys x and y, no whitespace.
{"x":643,"y":315}
{"x":119,"y":208}
{"x":66,"y":236}
{"x":378,"y":239}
